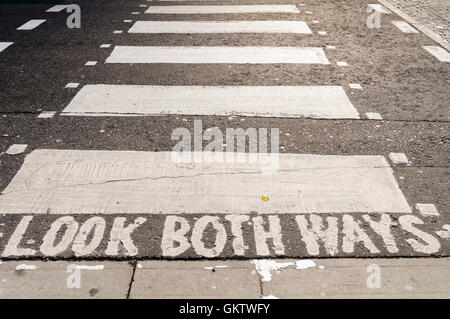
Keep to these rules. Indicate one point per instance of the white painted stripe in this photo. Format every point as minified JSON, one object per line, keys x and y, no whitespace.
{"x":373,"y":116}
{"x":30,"y":25}
{"x":4,"y":45}
{"x":223,"y":9}
{"x":220,"y":27}
{"x":129,"y":182}
{"x":16,"y":149}
{"x":405,"y":27}
{"x":179,"y":54}
{"x":57,"y":8}
{"x":46,"y":114}
{"x":440,"y":53}
{"x":268,"y":101}
{"x":427,"y":209}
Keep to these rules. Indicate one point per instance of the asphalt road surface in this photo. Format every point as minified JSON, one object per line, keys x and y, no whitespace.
{"x":351,"y":100}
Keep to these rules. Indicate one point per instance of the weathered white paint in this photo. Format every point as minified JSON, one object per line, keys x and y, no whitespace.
{"x":222,"y":9}
{"x":105,"y":46}
{"x":117,"y":31}
{"x":322,"y":32}
{"x":355,"y":86}
{"x":175,"y":230}
{"x":236,"y":228}
{"x":25,"y":267}
{"x":46,"y":114}
{"x":354,"y":234}
{"x":12,"y":248}
{"x":373,"y":116}
{"x":199,"y":230}
{"x":72,"y":85}
{"x":91,"y":63}
{"x":445,"y":232}
{"x":57,"y":8}
{"x":214,"y":54}
{"x":428,"y":244}
{"x":269,"y":297}
{"x":265,"y":267}
{"x":427,"y":209}
{"x":342,"y":63}
{"x":262,"y":236}
{"x":70,"y":226}
{"x":269,"y":101}
{"x":314,"y":232}
{"x":383,"y":228}
{"x":30,"y":25}
{"x":120,"y":182}
{"x":220,"y":27}
{"x":4,"y":45}
{"x":304,"y":264}
{"x":398,"y":158}
{"x":405,"y":27}
{"x":440,"y":53}
{"x":87,"y":267}
{"x":16,"y":149}
{"x":331,"y":47}
{"x":82,"y":245}
{"x":120,"y":237}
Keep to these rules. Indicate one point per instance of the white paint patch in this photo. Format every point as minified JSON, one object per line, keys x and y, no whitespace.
{"x":127,"y":21}
{"x":379,"y":8}
{"x":85,"y":267}
{"x":25,"y":267}
{"x":440,"y":53}
{"x":72,"y":85}
{"x":30,"y":25}
{"x":373,"y":116}
{"x":134,"y":12}
{"x":405,"y":27}
{"x":342,"y":63}
{"x":265,"y":267}
{"x":223,"y":9}
{"x":129,"y":182}
{"x":212,"y":54}
{"x":398,"y":158}
{"x":355,"y":86}
{"x":322,"y":32}
{"x":91,"y":63}
{"x":105,"y":46}
{"x":445,"y":233}
{"x":305,"y":264}
{"x":427,"y":209}
{"x":139,"y":265}
{"x":220,"y":27}
{"x":270,"y":297}
{"x":331,"y":47}
{"x":315,"y":21}
{"x":46,"y":114}
{"x":266,"y":101}
{"x":117,"y":31}
{"x":309,"y":12}
{"x":4,"y":45}
{"x":16,"y":149}
{"x":57,"y":8}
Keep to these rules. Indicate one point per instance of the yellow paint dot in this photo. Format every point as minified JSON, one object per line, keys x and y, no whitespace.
{"x":265,"y":198}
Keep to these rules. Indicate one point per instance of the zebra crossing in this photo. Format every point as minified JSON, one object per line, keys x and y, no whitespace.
{"x":145,"y":204}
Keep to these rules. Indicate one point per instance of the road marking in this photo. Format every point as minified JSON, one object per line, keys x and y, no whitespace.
{"x":213,"y":54}
{"x":133,"y":182}
{"x":322,"y":32}
{"x":57,"y":8}
{"x":105,"y":46}
{"x":398,"y":158}
{"x":117,"y":31}
{"x":355,"y":86}
{"x":268,"y":101}
{"x":72,"y":85}
{"x":91,"y":63}
{"x":16,"y":149}
{"x":30,"y":25}
{"x":220,"y":27}
{"x":427,"y":209}
{"x":440,"y":53}
{"x":405,"y":27}
{"x":379,"y":8}
{"x":342,"y":63}
{"x":46,"y":114}
{"x":222,"y":9}
{"x":331,"y":47}
{"x":134,"y":12}
{"x":4,"y":45}
{"x":373,"y":116}
{"x":127,"y":21}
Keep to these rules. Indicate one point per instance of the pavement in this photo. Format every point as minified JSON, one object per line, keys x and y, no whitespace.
{"x":348,"y":100}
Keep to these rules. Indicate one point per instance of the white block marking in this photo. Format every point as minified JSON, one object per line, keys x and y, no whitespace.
{"x":440,"y":53}
{"x":105,"y":46}
{"x":222,"y":9}
{"x":16,"y":149}
{"x":220,"y":27}
{"x":405,"y":27}
{"x":373,"y":116}
{"x":57,"y":8}
{"x":46,"y":114}
{"x":117,"y":31}
{"x":72,"y":85}
{"x":342,"y":63}
{"x":398,"y":158}
{"x":4,"y":45}
{"x":127,"y":182}
{"x":91,"y":63}
{"x":134,"y":12}
{"x":212,"y":54}
{"x":331,"y":47}
{"x":30,"y":25}
{"x":127,"y":21}
{"x":269,"y":101}
{"x":427,"y":209}
{"x":355,"y":86}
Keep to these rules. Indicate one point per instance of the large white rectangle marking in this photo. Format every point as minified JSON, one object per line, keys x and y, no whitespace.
{"x":4,"y":45}
{"x":405,"y":27}
{"x":220,"y":27}
{"x":129,"y":182}
{"x":212,"y":54}
{"x":329,"y":102}
{"x":222,"y":9}
{"x":30,"y":25}
{"x":440,"y":53}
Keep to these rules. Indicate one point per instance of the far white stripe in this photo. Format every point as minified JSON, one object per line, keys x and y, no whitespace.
{"x":440,"y":53}
{"x":220,"y":27}
{"x":4,"y":45}
{"x":30,"y":25}
{"x":57,"y":8}
{"x":404,"y":27}
{"x":268,"y":101}
{"x":253,"y":55}
{"x":223,"y":9}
